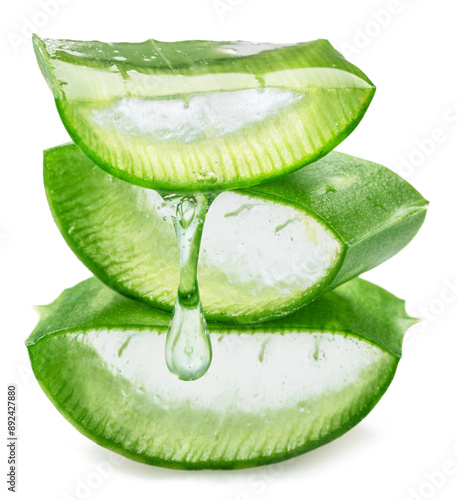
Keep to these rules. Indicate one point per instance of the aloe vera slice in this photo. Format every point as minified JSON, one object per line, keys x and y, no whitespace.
{"x":272,"y":392}
{"x":265,"y":251}
{"x":199,"y":115}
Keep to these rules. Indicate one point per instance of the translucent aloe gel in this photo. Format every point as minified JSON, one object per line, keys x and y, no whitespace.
{"x":188,"y":345}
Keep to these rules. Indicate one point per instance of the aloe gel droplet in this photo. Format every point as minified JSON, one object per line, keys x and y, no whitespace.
{"x":188,"y":346}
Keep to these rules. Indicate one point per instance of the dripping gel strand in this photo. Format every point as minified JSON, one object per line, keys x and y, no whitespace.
{"x":188,"y":346}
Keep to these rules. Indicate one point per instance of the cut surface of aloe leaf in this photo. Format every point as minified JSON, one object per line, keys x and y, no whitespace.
{"x":272,"y":392}
{"x":265,"y":251}
{"x":199,"y":115}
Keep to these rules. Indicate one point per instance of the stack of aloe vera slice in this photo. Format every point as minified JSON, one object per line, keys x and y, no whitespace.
{"x":302,"y":348}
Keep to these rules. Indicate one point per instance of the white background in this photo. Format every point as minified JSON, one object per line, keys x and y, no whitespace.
{"x":410,"y":53}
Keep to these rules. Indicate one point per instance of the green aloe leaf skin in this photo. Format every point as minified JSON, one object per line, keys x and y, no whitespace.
{"x":203,"y":116}
{"x":299,"y":381}
{"x":266,"y":250}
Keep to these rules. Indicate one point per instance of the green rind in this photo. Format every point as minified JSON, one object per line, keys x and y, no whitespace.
{"x":187,"y":55}
{"x":357,"y":307}
{"x":352,"y":308}
{"x":370,"y":210}
{"x":236,"y":163}
{"x":89,"y":305}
